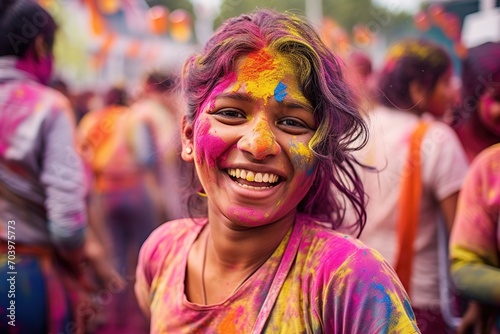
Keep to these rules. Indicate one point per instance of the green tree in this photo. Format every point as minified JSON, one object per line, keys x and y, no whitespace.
{"x":349,"y":13}
{"x":173,"y":4}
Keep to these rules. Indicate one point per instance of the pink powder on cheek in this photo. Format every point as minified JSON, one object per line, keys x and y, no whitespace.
{"x":209,"y":147}
{"x":488,"y":103}
{"x":489,"y":114}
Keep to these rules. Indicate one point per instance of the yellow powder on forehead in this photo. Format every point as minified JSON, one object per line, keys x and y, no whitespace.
{"x":261,"y":71}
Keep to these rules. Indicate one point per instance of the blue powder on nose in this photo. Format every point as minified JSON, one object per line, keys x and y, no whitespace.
{"x":280,"y":92}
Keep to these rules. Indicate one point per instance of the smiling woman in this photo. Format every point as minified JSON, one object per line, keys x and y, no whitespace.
{"x":269,"y":129}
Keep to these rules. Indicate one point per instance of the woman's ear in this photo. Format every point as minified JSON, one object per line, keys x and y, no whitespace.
{"x":418,"y":95}
{"x":187,"y":153}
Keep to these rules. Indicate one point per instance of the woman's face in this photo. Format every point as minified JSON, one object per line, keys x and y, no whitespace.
{"x":443,"y":96}
{"x":489,"y":110}
{"x":250,"y":141}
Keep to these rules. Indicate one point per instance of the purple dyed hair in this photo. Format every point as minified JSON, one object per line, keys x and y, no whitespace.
{"x":341,"y":126}
{"x":408,"y":61}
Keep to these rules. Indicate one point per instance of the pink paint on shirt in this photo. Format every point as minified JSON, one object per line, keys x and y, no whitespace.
{"x":334,"y":285}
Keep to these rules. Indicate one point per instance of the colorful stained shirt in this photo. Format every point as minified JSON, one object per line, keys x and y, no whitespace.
{"x":335,"y":284}
{"x":41,"y":174}
{"x":475,"y":239}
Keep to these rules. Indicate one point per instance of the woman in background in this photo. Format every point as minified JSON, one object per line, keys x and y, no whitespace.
{"x":413,"y":155}
{"x":477,"y":121}
{"x":474,"y":243}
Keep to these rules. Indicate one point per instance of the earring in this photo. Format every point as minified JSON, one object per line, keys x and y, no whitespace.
{"x":188,"y":150}
{"x":202,"y":193}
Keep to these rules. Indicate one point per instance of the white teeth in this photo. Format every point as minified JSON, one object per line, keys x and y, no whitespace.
{"x":253,"y":176}
{"x":265,"y":178}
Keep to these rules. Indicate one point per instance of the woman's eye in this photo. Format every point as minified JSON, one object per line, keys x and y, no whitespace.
{"x":229,"y":113}
{"x":294,"y":126}
{"x":293,"y":123}
{"x":230,"y":116}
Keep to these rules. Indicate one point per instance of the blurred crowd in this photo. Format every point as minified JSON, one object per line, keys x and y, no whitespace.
{"x":87,"y":176}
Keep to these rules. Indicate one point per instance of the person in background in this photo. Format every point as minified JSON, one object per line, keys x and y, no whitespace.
{"x":159,"y":107}
{"x":473,"y":244}
{"x":119,"y":152}
{"x":42,"y":183}
{"x":418,"y":166}
{"x":270,"y":126}
{"x":360,"y":71}
{"x":477,"y":120}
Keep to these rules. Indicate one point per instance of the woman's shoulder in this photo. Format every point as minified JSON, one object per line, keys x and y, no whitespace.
{"x":487,"y":156}
{"x":345,"y":262}
{"x":44,"y":99}
{"x":334,"y":247}
{"x":43,"y":92}
{"x":175,"y":230}
{"x":169,"y":242}
{"x":440,"y":131}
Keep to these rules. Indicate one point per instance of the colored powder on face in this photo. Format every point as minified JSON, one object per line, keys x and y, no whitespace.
{"x":264,"y":136}
{"x":221,"y":87}
{"x":489,"y":114}
{"x":208,"y":147}
{"x":261,"y":73}
{"x":280,"y":92}
{"x":488,"y":102}
{"x":303,"y":158}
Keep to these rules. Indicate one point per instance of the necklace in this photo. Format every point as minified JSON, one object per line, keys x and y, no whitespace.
{"x":204,"y":291}
{"x":203,"y":265}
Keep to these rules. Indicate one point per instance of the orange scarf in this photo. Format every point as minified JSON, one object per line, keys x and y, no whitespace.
{"x":409,"y":207}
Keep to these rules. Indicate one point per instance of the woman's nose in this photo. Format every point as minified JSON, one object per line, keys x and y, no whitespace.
{"x":259,"y":140}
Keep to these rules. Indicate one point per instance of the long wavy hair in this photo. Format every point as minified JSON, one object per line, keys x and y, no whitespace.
{"x":341,"y":126}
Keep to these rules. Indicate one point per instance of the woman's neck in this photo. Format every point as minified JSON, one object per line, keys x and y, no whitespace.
{"x":226,"y":255}
{"x":234,"y":248}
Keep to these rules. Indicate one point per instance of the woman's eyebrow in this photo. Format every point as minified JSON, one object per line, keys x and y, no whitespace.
{"x":235,"y":96}
{"x":287,"y":102}
{"x":293,"y":104}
